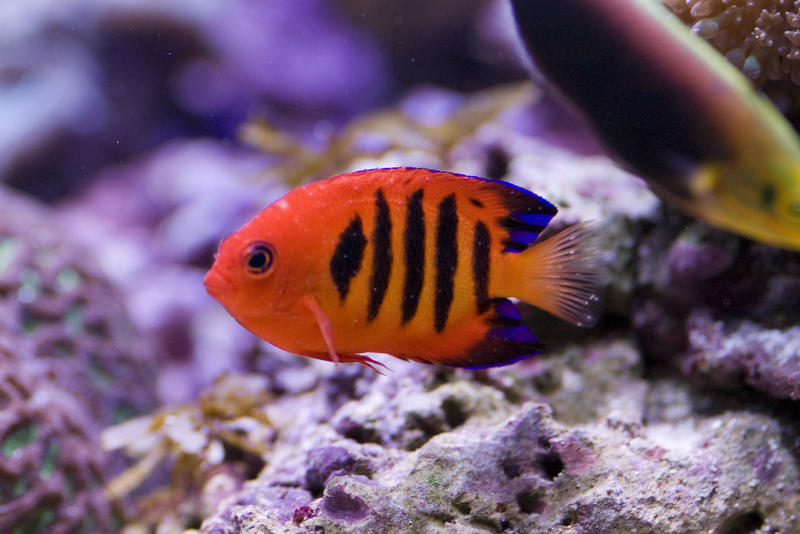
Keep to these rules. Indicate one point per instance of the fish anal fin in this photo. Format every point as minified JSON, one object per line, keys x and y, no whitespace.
{"x":507,"y":340}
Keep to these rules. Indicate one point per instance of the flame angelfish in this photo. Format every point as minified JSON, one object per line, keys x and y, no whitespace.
{"x":415,"y":263}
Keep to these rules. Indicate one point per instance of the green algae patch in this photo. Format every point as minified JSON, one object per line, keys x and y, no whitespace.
{"x":69,"y":488}
{"x":68,"y":280}
{"x":9,"y":250}
{"x":19,"y":487}
{"x":36,"y":522}
{"x":18,"y":439}
{"x":49,"y":460}
{"x":434,"y":482}
{"x":123,"y":412}
{"x":73,"y":319}
{"x":98,"y":372}
{"x":88,"y":525}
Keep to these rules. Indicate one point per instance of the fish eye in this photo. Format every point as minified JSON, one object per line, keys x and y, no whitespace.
{"x":258,"y":258}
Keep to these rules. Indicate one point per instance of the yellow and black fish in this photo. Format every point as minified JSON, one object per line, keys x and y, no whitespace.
{"x":414,"y":263}
{"x":673,"y":109}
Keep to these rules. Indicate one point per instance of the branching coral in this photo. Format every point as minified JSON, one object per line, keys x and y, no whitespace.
{"x":761,"y":37}
{"x":70,"y":364}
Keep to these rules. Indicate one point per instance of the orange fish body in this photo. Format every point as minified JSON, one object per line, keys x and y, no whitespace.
{"x":414,"y":263}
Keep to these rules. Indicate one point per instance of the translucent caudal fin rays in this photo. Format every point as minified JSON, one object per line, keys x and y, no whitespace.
{"x":563,"y":275}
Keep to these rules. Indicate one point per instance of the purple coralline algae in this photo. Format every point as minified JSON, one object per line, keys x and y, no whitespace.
{"x":740,"y":353}
{"x":455,"y":451}
{"x":721,"y":309}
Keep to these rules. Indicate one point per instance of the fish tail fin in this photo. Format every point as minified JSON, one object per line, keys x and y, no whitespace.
{"x":562,"y":275}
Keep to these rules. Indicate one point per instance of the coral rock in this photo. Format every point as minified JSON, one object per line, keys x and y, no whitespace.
{"x":645,"y":462}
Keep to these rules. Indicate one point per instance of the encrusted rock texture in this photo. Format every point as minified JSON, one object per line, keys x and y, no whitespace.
{"x":453,"y":451}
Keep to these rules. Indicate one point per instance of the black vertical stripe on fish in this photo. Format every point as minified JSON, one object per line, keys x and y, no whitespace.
{"x":480,"y":266}
{"x":346,"y":260}
{"x":446,"y":260}
{"x":381,"y":255}
{"x":414,"y":248}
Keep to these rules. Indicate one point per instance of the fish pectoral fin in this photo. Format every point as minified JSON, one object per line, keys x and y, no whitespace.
{"x":364,"y":360}
{"x":325,"y":325}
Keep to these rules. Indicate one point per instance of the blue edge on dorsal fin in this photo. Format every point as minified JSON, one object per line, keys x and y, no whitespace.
{"x":528,"y":215}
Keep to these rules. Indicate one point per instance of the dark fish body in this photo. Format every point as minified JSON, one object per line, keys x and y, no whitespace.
{"x":673,"y":110}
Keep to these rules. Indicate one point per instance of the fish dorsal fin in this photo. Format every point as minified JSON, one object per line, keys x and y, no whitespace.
{"x":522,"y":214}
{"x":525,"y":214}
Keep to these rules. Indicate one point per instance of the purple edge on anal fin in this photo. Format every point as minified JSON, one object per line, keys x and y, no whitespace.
{"x":509,"y":340}
{"x":506,"y":309}
{"x":515,"y":360}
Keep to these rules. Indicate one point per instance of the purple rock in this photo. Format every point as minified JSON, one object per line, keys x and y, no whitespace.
{"x":324,"y":462}
{"x":341,"y":506}
{"x":576,"y":457}
{"x":283,"y":500}
{"x":744,"y":353}
{"x":690,"y":262}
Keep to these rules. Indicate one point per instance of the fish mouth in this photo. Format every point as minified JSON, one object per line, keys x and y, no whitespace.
{"x":216,"y":284}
